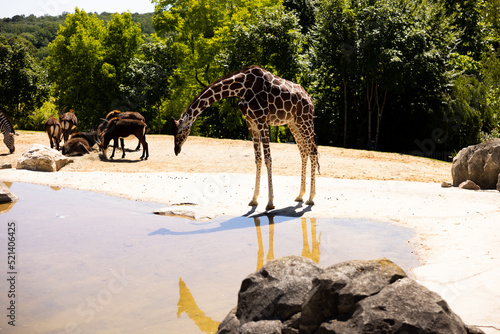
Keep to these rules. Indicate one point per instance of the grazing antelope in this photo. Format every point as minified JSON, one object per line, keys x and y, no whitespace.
{"x":121,"y":128}
{"x":121,"y":115}
{"x":68,"y":123}
{"x":53,"y":129}
{"x":8,"y":132}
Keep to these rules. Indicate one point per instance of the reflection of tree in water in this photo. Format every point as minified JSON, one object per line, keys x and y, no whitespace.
{"x":188,"y":304}
{"x":206,"y":324}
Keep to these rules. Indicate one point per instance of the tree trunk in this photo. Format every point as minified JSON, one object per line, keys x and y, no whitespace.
{"x":369,"y":98}
{"x":159,"y":120}
{"x":345,"y":112}
{"x":380,"y":110}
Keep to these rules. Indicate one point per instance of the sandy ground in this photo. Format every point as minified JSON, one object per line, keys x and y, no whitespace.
{"x":457,"y":231}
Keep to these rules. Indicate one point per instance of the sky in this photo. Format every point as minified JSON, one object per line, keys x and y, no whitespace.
{"x":10,"y":8}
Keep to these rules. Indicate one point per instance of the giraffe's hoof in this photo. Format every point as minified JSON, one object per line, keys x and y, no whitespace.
{"x":309,"y":202}
{"x":269,"y":207}
{"x":253,"y":203}
{"x":299,"y":199}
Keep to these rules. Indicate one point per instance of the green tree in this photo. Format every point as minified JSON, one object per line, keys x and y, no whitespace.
{"x":88,"y":62}
{"x":380,"y":60}
{"x":121,"y":43}
{"x":273,"y":40}
{"x":148,"y":80}
{"x":305,"y":11}
{"x":469,"y":112}
{"x":23,"y":83}
{"x":198,"y":30}
{"x":468,"y":17}
{"x":77,"y":68}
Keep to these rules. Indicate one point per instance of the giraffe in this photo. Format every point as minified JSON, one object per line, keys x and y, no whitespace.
{"x":265,"y":99}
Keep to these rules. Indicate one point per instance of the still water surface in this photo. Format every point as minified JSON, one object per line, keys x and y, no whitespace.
{"x":91,"y":263}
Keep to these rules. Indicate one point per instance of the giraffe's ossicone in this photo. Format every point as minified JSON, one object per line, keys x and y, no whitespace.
{"x":265,"y":99}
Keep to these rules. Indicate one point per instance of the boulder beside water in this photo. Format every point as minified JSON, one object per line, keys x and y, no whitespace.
{"x":294,"y":295}
{"x":478,"y":163}
{"x":43,"y":159}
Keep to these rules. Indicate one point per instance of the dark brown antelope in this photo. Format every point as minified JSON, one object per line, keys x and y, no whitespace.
{"x":120,"y":115}
{"x":80,"y":143}
{"x":76,"y":146}
{"x":68,"y":123}
{"x":92,"y":137}
{"x":121,"y":128}
{"x":53,"y":129}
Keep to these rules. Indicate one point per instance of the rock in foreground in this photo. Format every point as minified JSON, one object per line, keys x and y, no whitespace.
{"x":294,"y":295}
{"x":43,"y":159}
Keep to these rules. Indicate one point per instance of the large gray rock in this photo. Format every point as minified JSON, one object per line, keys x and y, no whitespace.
{"x":338,"y":290}
{"x":276,"y":290}
{"x":43,"y":159}
{"x":479,"y":163}
{"x":293,"y":295}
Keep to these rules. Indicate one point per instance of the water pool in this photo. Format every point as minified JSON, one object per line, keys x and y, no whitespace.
{"x":91,"y":263}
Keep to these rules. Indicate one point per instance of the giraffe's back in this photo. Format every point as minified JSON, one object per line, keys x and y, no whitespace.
{"x":282,"y":100}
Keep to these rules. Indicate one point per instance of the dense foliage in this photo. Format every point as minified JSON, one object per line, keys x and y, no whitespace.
{"x":23,"y":83}
{"x":399,"y":75}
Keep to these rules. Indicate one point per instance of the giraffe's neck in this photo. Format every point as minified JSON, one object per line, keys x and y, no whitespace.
{"x":228,"y":87}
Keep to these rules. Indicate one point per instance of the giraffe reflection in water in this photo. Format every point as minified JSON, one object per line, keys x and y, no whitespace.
{"x":312,"y":254}
{"x":188,"y":304}
{"x":206,"y":324}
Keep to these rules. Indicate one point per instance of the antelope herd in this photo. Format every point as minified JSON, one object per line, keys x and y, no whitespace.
{"x":116,"y":126}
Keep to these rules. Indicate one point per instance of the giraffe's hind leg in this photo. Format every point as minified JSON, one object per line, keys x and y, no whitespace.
{"x":269,"y":163}
{"x":308,"y":150}
{"x":303,"y":156}
{"x":314,"y":161}
{"x":302,"y":178}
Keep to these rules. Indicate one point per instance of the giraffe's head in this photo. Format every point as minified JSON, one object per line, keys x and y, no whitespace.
{"x":181,"y":132}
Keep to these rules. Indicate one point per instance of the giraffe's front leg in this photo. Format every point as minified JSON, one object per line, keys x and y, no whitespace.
{"x":270,"y":204}
{"x":256,"y":191}
{"x":258,"y":167}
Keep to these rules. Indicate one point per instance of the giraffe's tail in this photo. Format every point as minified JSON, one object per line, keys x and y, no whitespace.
{"x":316,"y":151}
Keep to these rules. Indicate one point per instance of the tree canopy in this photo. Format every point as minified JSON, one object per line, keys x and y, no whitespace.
{"x":23,"y":83}
{"x":396,"y":75}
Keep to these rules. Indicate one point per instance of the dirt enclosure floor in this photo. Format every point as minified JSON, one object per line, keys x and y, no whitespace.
{"x":207,"y":155}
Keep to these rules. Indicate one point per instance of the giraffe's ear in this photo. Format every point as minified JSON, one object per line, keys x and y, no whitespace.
{"x":175,"y":126}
